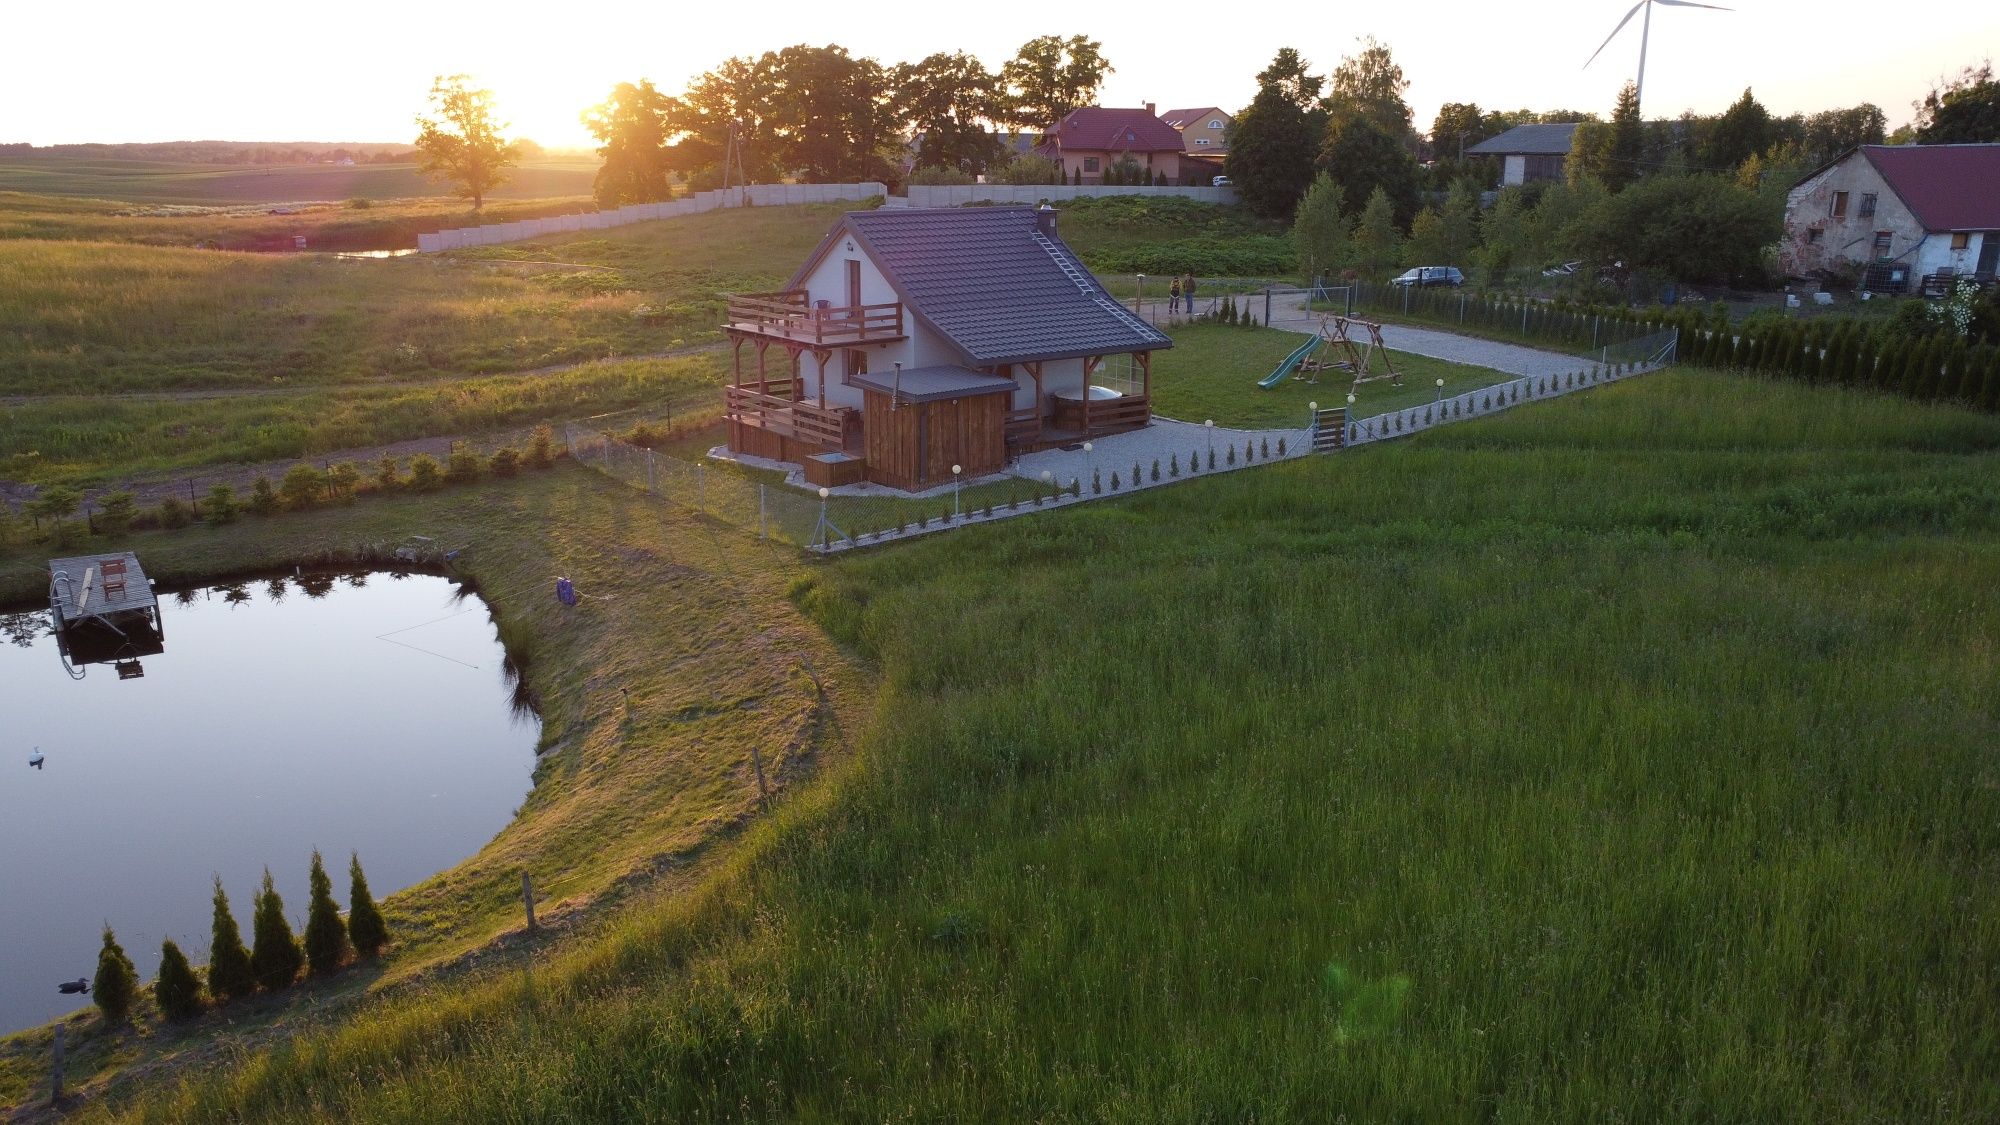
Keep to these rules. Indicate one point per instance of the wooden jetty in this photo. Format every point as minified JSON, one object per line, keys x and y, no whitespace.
{"x":99,"y":587}
{"x":105,"y":612}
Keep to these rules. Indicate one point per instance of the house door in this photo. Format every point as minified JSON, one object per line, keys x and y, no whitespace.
{"x":853,"y":283}
{"x":1989,"y":253}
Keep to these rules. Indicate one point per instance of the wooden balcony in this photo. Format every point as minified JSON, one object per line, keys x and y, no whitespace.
{"x":790,"y":316}
{"x":796,"y":421}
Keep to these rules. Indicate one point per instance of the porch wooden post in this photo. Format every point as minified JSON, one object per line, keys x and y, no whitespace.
{"x":763,"y":380}
{"x":822,"y":357}
{"x":1090,"y":363}
{"x":736,"y":358}
{"x":1146,"y":368}
{"x":1035,"y":369}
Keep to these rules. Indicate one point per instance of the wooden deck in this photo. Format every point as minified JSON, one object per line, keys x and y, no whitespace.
{"x":788,"y":318}
{"x":80,"y":589}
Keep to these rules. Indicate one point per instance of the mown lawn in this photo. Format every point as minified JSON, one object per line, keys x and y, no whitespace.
{"x":1212,"y":372}
{"x":1626,"y":757}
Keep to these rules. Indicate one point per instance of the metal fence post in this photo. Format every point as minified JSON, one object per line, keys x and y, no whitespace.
{"x":649,"y":470}
{"x":762,"y":532}
{"x":1267,"y":308}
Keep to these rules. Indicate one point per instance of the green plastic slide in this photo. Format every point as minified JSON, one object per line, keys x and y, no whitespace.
{"x":1291,"y":362}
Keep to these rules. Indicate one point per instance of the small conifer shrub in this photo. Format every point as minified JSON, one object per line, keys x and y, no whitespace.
{"x":229,"y":975}
{"x":275,"y":956}
{"x":116,"y":982}
{"x":326,"y":935}
{"x":176,"y":989}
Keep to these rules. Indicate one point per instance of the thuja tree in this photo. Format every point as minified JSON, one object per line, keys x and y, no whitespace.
{"x":229,"y":975}
{"x":177,"y":989}
{"x":116,"y":981}
{"x":275,"y":958}
{"x":326,"y":936}
{"x":364,"y":921}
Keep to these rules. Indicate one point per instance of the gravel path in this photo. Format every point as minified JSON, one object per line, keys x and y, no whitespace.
{"x":1162,"y":441}
{"x":1290,"y":313}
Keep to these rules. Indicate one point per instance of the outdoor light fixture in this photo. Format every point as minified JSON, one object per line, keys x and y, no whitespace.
{"x":955,"y":470}
{"x":824,"y":492}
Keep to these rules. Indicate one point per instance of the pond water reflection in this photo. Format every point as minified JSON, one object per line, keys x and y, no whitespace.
{"x":365,"y":712}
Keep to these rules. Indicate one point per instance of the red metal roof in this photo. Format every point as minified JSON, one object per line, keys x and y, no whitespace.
{"x":1947,"y":187}
{"x":1097,"y":129}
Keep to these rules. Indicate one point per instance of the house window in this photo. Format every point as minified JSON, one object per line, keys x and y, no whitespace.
{"x":1868,"y":205}
{"x":1813,"y":236}
{"x":1840,"y":205}
{"x":1090,"y":164}
{"x":1216,"y":124}
{"x":852,"y":362}
{"x":1201,"y":140}
{"x":1882,"y":240}
{"x":1961,"y":240}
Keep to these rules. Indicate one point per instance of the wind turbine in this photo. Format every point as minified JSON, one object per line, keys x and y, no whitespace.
{"x":1645,"y":33}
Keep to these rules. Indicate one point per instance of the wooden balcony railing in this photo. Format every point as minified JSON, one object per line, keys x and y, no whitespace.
{"x":802,"y":421}
{"x":789,"y":315}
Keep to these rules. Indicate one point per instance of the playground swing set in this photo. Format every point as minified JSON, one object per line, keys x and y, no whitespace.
{"x":1334,"y":348}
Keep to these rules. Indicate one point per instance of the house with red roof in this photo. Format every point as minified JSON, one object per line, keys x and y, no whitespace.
{"x":1907,"y":212}
{"x":1204,"y":129}
{"x":1092,"y":139}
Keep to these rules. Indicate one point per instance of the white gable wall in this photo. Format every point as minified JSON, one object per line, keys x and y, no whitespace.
{"x":924,"y":347}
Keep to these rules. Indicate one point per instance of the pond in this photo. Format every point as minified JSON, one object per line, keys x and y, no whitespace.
{"x":369,"y":713}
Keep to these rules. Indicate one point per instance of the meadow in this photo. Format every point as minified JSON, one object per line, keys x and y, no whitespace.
{"x":160,"y":181}
{"x":1623,"y":757}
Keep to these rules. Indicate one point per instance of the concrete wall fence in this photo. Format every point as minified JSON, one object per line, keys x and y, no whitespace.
{"x":759,"y":195}
{"x":958,"y":195}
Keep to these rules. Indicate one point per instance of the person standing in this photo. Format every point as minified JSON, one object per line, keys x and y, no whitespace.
{"x":1174,"y":297}
{"x":1187,"y":292}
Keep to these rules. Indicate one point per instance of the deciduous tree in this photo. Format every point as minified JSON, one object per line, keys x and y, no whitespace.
{"x":1362,"y":158}
{"x":1321,"y":230}
{"x":1050,"y":75}
{"x":953,"y":101}
{"x":1377,"y":245}
{"x":1965,"y":110}
{"x":1271,"y":153}
{"x":1369,"y":86}
{"x":633,"y":127}
{"x":462,"y":145}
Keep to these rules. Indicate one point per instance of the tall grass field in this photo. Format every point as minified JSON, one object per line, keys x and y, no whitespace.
{"x":1626,"y":757}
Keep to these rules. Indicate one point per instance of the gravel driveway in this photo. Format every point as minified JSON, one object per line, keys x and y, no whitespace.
{"x":1290,"y":313}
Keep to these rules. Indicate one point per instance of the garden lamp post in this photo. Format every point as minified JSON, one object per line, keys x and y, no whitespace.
{"x":955,"y":471}
{"x":1048,"y":476}
{"x":1138,"y":302}
{"x":1440,"y":398}
{"x":1208,"y":427}
{"x":1090,"y":458}
{"x":1350,"y":416}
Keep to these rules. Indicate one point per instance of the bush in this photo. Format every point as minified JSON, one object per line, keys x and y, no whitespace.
{"x":118,"y":510}
{"x":229,"y":974}
{"x":1028,"y":168}
{"x":302,"y":487}
{"x":504,"y":463}
{"x":221,"y":505}
{"x":541,"y":450}
{"x":934,"y":175}
{"x":263,"y":499}
{"x":342,"y":480}
{"x":177,"y":989}
{"x":385,"y":473}
{"x":173,"y":513}
{"x":116,"y":981}
{"x":463,"y":466}
{"x":1156,"y":469}
{"x":425,"y":473}
{"x":275,"y":958}
{"x":326,"y":936}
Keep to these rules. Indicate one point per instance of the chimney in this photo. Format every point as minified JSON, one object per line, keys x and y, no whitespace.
{"x":1045,"y":220}
{"x":1149,"y":110}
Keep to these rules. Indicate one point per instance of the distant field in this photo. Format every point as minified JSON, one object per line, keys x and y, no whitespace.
{"x":148,"y":181}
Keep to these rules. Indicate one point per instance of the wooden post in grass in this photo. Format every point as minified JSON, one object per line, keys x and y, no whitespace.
{"x":528,"y":898}
{"x":757,"y":763}
{"x":56,"y":1069}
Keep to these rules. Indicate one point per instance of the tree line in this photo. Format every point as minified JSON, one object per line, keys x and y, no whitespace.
{"x":271,"y":963}
{"x":1339,"y":155}
{"x":818,"y":113}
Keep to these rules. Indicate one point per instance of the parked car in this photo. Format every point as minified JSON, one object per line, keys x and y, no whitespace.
{"x":1567,"y":269}
{"x":1426,"y":276}
{"x":1221,"y":181}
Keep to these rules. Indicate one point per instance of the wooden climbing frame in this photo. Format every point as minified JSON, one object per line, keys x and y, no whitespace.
{"x":1337,"y":332}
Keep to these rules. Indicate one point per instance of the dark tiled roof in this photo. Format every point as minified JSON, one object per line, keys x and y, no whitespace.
{"x":1179,"y":118}
{"x":981,"y":278}
{"x":1947,"y":187}
{"x":925,"y":384}
{"x":1528,"y":140}
{"x":1097,"y":129}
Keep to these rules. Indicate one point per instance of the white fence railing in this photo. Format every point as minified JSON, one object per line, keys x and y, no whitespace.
{"x":958,"y":195}
{"x":757,"y":195}
{"x":1637,"y":358}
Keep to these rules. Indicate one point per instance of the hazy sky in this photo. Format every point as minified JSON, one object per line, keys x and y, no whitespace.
{"x":118,"y":70}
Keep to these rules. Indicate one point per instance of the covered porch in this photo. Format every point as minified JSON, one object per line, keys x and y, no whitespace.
{"x":1116,"y":395}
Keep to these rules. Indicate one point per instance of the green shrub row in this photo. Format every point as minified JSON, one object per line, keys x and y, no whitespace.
{"x":271,"y":963}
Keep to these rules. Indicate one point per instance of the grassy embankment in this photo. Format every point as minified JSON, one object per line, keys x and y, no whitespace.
{"x":1625,"y":757}
{"x":653,"y":692}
